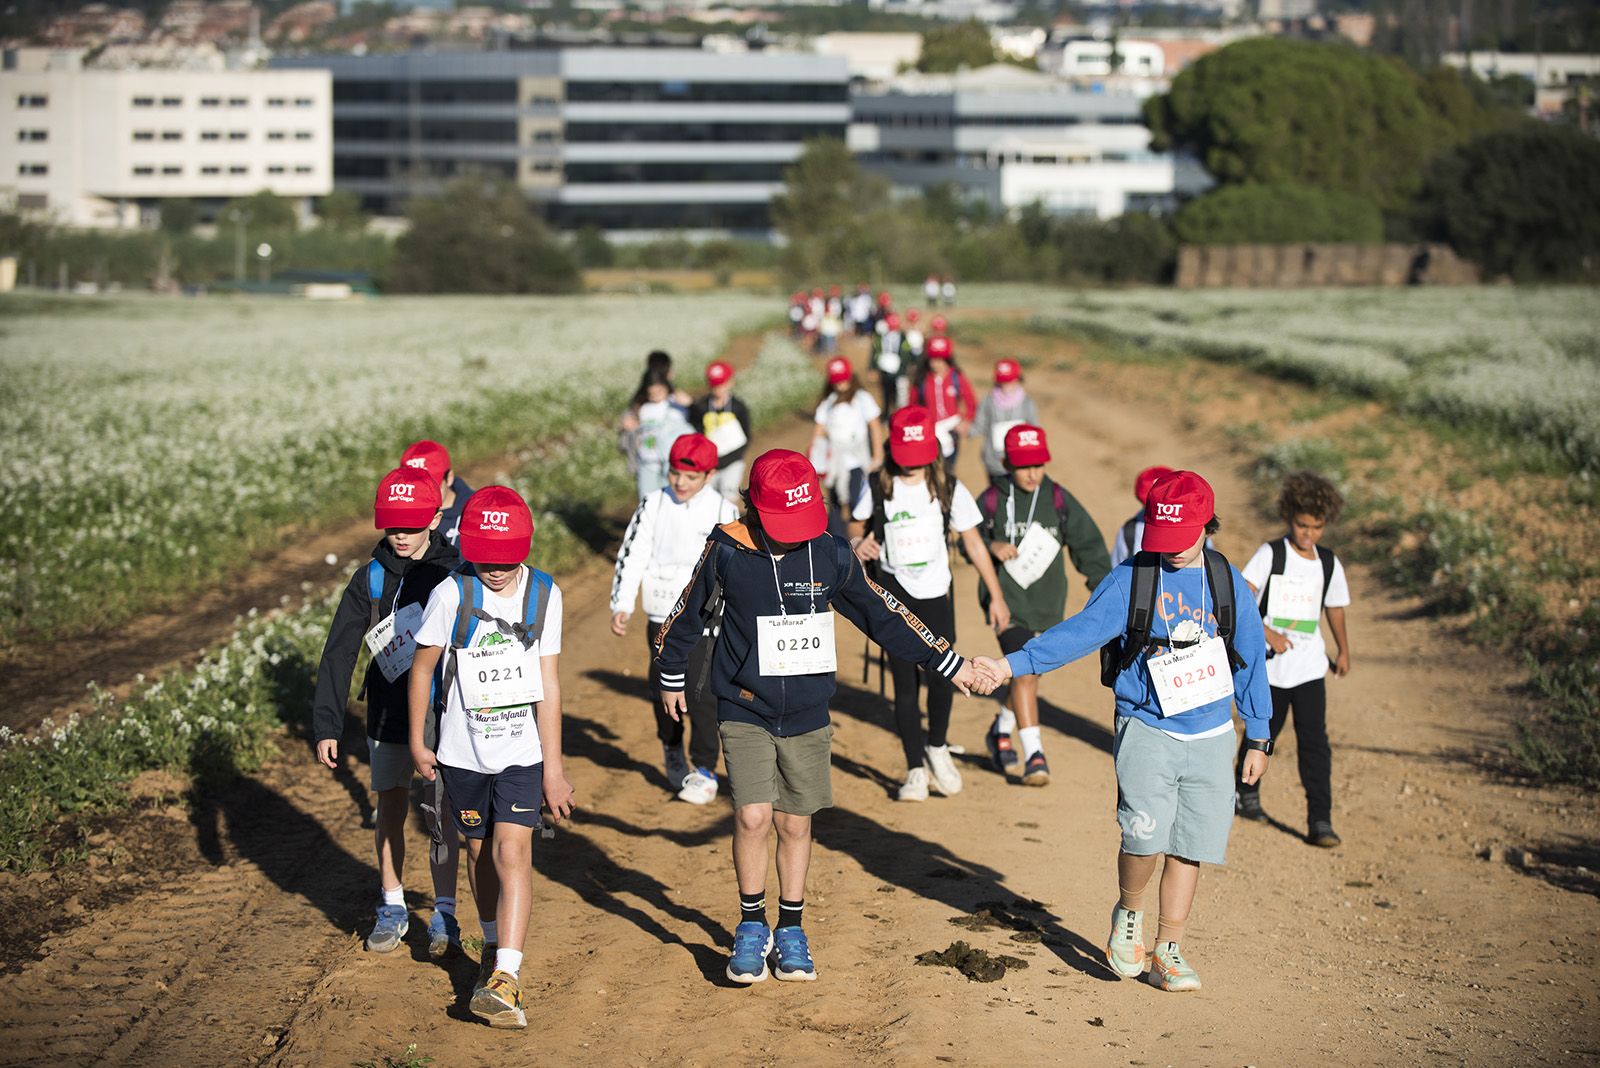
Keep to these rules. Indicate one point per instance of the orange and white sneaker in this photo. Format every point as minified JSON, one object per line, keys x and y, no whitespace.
{"x":1169,"y":971}
{"x":1125,"y":950}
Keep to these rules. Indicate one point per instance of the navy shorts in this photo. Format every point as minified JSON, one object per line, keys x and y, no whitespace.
{"x":480,"y":801}
{"x":1012,"y":639}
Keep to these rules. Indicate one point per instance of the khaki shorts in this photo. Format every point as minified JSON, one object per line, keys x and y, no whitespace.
{"x":390,"y":764}
{"x":793,"y":774}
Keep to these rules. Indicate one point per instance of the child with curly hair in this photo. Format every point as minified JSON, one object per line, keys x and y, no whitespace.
{"x":1296,"y":580}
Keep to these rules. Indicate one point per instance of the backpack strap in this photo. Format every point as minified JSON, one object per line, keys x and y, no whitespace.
{"x":469,"y":605}
{"x":1058,"y":497}
{"x":533,"y":622}
{"x":1219,"y":574}
{"x":375,"y":578}
{"x":1326,"y":555}
{"x":880,"y":519}
{"x":1141,"y":607}
{"x":1280,"y":560}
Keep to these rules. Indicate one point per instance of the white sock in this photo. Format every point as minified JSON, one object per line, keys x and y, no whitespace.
{"x":490,"y":935}
{"x":397,"y":896}
{"x":1029,"y":736}
{"x":446,"y":905}
{"x":1006,"y":721}
{"x":508,"y":960}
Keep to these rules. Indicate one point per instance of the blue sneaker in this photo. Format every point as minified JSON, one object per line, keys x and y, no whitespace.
{"x":752,"y":941}
{"x":794,"y":956}
{"x":1001,"y":752}
{"x":444,"y":936}
{"x":392,"y":925}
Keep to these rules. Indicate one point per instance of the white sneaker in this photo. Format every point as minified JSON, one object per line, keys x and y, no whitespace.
{"x":677,"y":765}
{"x":946,"y":777}
{"x":915,"y":787}
{"x":700,"y":788}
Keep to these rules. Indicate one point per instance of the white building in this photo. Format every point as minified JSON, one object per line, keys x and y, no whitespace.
{"x":100,"y":148}
{"x":872,"y":57}
{"x":1091,"y":57}
{"x":1556,"y":76}
{"x":1010,"y":138}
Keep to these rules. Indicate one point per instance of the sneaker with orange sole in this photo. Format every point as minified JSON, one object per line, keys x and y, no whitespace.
{"x":1125,"y":949}
{"x":1169,"y":971}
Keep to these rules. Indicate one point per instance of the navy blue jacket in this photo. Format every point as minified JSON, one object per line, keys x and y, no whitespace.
{"x":828,"y":576}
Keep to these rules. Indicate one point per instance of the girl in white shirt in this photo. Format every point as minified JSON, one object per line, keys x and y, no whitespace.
{"x":901,"y":523}
{"x":847,"y":443}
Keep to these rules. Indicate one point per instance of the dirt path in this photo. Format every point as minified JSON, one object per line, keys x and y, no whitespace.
{"x":1402,"y":945}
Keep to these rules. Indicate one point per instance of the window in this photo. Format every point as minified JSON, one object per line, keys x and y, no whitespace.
{"x":302,"y":169}
{"x":238,"y":135}
{"x":171,"y":170}
{"x":143,"y":172}
{"x":144,"y":135}
{"x":276,"y":168}
{"x":172,"y":101}
{"x":211,"y":101}
{"x":545,"y":137}
{"x":303,"y":101}
{"x":144,"y":101}
{"x":238,"y":101}
{"x":210,"y":135}
{"x":33,"y":135}
{"x":276,"y":101}
{"x":33,"y":169}
{"x":172,"y":135}
{"x":238,"y":168}
{"x":275,"y":135}
{"x":211,"y":169}
{"x":302,"y":135}
{"x":32,"y":100}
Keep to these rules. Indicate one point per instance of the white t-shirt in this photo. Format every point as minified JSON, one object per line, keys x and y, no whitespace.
{"x":1306,"y":659}
{"x":849,"y":428}
{"x":914,"y":551}
{"x":487,"y":740}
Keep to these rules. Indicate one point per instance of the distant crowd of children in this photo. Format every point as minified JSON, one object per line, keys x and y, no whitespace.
{"x":738,"y":581}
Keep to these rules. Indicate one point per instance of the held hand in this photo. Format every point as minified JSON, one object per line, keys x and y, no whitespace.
{"x":996,"y":672}
{"x":558,"y":794}
{"x":999,"y":615}
{"x":328,"y":753}
{"x":868,"y":549}
{"x":675,"y":703}
{"x":1277,"y":642}
{"x":1002,"y":551}
{"x":425,"y":761}
{"x":967,"y":680}
{"x":1341,"y":666}
{"x":619,"y":624}
{"x":1255,"y":766}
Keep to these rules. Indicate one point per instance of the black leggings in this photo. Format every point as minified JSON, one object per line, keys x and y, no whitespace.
{"x":704,"y":741}
{"x":1309,"y":702}
{"x":940,"y":616}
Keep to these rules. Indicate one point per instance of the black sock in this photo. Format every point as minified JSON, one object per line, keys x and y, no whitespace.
{"x":753,"y":907}
{"x":790,"y":913}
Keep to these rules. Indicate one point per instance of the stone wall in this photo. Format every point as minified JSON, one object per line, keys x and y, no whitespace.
{"x":1288,"y":266}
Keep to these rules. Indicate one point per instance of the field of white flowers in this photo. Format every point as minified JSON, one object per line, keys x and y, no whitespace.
{"x":151,"y":442}
{"x":1525,"y":360}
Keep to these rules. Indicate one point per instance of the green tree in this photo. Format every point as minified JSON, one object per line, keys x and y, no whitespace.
{"x":179,"y":215}
{"x":1521,"y":202}
{"x":341,"y":210}
{"x":591,"y":249}
{"x":1274,"y":110}
{"x":479,"y":236}
{"x":823,"y":212}
{"x":962,"y":44}
{"x":266,"y":211}
{"x":1281,"y":212}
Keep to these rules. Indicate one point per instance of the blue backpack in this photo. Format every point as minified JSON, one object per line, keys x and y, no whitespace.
{"x":469,"y":612}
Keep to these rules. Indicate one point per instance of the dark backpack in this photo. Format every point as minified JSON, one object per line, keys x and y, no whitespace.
{"x":989,"y":505}
{"x":1280,"y":559}
{"x":710,"y":623}
{"x":1119,"y":653}
{"x":469,"y":611}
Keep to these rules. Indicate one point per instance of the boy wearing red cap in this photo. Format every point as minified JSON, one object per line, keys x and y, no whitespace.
{"x":941,"y":388}
{"x":496,"y":636}
{"x":658,"y":555}
{"x":453,"y":490}
{"x":1177,"y":664}
{"x":1131,"y":533}
{"x":1003,"y":407}
{"x":383,"y":604}
{"x":847,"y":441}
{"x":725,"y":419}
{"x":1028,"y":519}
{"x":777,"y":573}
{"x":901,"y":529}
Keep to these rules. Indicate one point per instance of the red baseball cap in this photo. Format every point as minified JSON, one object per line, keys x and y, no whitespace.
{"x":428,"y":455}
{"x":1176,"y":512}
{"x":939,"y":348}
{"x":692,"y":452}
{"x":884,"y":300}
{"x":1007,"y":371}
{"x":718,"y":372}
{"x":892,"y":320}
{"x":939,"y":324}
{"x":786,"y":494}
{"x":408,"y":499}
{"x":913,"y":315}
{"x":1147,"y":478}
{"x":838,"y":371}
{"x":911,"y":440}
{"x":1026,"y":446}
{"x":496,"y":527}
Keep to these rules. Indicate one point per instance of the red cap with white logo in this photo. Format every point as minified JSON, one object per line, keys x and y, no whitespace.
{"x":496,"y":527}
{"x":1147,"y":478}
{"x":1026,"y":446}
{"x":718,"y":372}
{"x":839,"y":370}
{"x":939,"y":348}
{"x":911,"y":440}
{"x":428,"y":455}
{"x":692,"y":452}
{"x":408,"y":499}
{"x":1176,"y":512}
{"x":786,"y":494}
{"x":1006,"y":371}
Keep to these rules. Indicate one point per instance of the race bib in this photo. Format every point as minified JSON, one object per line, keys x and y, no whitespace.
{"x":660,"y":595}
{"x":1037,"y":550}
{"x":1294,"y":602}
{"x":728,"y":437}
{"x":393,"y":642}
{"x":912,"y":543}
{"x":945,"y":431}
{"x":796,"y":645}
{"x":1189,"y":678}
{"x":997,"y":436}
{"x":498,"y":676}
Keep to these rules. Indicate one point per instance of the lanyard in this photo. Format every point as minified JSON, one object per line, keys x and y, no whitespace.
{"x":1011,"y":512}
{"x":809,"y":563}
{"x":1205,"y":583}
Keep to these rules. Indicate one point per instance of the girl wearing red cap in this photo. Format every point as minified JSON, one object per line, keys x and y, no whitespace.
{"x":941,"y":388}
{"x":725,"y":419}
{"x":847,"y":441}
{"x":1003,"y":407}
{"x":657,"y":557}
{"x":1131,"y":533}
{"x":901,"y":527}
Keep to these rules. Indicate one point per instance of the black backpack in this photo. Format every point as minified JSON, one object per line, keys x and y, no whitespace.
{"x":1280,"y":559}
{"x":1117,"y":654}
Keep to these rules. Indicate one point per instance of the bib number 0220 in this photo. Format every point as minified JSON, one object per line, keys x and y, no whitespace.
{"x":796,"y":645}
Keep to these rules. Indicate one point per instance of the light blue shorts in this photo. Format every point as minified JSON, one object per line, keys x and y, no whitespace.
{"x":1173,"y":797}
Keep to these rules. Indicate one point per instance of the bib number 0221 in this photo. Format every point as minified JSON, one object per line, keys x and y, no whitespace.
{"x":500,"y":676}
